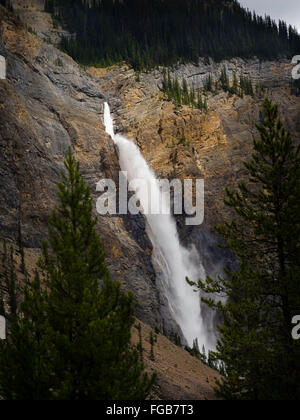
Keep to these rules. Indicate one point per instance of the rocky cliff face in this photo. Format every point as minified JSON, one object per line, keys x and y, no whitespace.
{"x":49,"y":103}
{"x":217,"y":142}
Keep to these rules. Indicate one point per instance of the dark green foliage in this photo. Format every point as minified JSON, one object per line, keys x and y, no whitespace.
{"x":31,"y":30}
{"x":246,"y":86}
{"x":22,"y":253}
{"x":256,"y":348}
{"x":182,"y":139}
{"x":186,"y":97}
{"x":25,"y":365}
{"x":224,"y":80}
{"x":71,"y":341}
{"x":140,"y":343}
{"x":148,"y":33}
{"x":235,"y":85}
{"x":202,"y":103}
{"x":9,"y":284}
{"x":177,"y":340}
{"x":152,"y":342}
{"x":208,"y":85}
{"x":181,"y":94}
{"x":242,"y":87}
{"x":194,"y":351}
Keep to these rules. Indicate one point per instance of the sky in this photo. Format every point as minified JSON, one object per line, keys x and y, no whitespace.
{"x":287,"y":10}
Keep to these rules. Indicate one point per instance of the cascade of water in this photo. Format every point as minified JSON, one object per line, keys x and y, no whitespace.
{"x":173,"y":261}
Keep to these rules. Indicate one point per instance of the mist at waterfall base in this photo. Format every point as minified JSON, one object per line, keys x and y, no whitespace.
{"x":171,"y":261}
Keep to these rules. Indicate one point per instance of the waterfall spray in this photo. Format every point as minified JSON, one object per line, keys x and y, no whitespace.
{"x":170,"y":258}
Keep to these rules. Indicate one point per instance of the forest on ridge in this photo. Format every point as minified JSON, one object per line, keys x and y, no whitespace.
{"x":153,"y":33}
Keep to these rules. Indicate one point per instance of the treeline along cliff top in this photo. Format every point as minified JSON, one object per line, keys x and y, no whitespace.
{"x":150,"y":33}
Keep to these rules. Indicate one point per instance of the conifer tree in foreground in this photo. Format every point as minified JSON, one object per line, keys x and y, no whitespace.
{"x":262,"y":360}
{"x":72,"y":340}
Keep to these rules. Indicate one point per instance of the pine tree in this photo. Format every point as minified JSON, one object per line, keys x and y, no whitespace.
{"x":177,"y":92}
{"x":235,"y":86}
{"x":192,"y":96}
{"x":12,"y":285}
{"x":79,"y":327}
{"x":208,"y":84}
{"x":196,"y":350}
{"x":26,"y":371}
{"x":140,"y":343}
{"x":203,"y":355}
{"x":170,"y":86}
{"x":261,"y":359}
{"x":152,"y":341}
{"x":224,"y":80}
{"x":185,"y":93}
{"x":199,"y":101}
{"x":164,"y":33}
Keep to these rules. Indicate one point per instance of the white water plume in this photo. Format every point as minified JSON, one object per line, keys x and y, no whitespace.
{"x":170,"y":258}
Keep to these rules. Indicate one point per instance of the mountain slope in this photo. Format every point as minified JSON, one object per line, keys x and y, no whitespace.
{"x":148,"y":33}
{"x":48,"y":103}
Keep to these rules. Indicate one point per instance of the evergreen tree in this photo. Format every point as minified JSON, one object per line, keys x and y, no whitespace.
{"x":170,"y":86}
{"x":192,"y":96}
{"x":152,"y":341}
{"x":224,"y":80}
{"x":26,"y":371}
{"x":147,"y":34}
{"x":196,"y":350}
{"x":199,"y":101}
{"x":177,"y":92}
{"x":185,"y":93}
{"x":235,"y":85}
{"x":208,"y":85}
{"x":140,"y":343}
{"x":9,"y":284}
{"x":3,"y":278}
{"x":203,"y":355}
{"x":261,"y":359}
{"x":79,"y":327}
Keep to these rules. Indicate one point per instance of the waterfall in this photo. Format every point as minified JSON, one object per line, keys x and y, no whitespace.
{"x":170,"y":258}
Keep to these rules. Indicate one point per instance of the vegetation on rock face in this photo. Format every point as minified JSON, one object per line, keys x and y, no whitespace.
{"x":182,"y":94}
{"x":69,"y":339}
{"x":262,"y":360}
{"x":147,"y":33}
